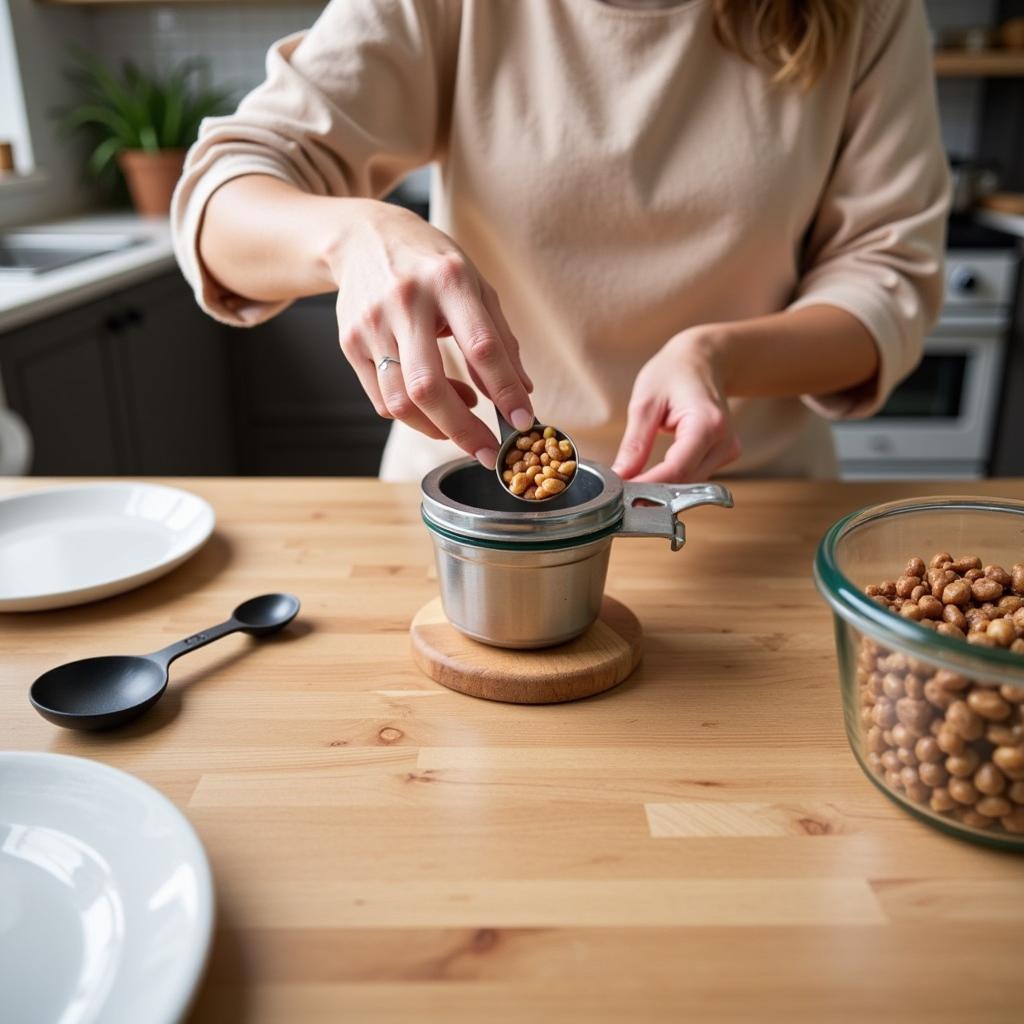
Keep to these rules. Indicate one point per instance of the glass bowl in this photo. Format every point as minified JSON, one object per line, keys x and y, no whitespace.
{"x":911,"y":696}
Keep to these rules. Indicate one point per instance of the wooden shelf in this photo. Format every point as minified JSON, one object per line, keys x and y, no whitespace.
{"x":980,"y":64}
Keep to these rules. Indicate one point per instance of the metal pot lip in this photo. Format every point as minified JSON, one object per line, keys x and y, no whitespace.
{"x":530,"y":526}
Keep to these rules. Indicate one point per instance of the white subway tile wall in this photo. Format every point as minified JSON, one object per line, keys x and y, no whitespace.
{"x":233,"y":38}
{"x":952,"y":14}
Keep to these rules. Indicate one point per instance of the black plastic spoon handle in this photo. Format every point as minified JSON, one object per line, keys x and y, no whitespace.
{"x":192,"y":643}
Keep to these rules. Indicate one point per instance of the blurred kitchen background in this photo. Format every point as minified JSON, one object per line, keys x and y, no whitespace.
{"x":107,"y":366}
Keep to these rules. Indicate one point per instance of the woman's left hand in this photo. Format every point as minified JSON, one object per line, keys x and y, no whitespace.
{"x":679,"y":391}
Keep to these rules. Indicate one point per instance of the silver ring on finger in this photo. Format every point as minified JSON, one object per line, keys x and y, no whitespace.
{"x":386,"y":362}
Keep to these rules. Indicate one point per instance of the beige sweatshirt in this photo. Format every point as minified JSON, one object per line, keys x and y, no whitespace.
{"x":617,"y":176}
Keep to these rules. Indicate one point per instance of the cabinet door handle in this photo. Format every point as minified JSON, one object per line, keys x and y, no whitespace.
{"x":116,"y":323}
{"x":134,"y":316}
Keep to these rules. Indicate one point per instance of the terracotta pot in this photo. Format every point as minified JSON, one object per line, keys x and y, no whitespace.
{"x":151,"y":178}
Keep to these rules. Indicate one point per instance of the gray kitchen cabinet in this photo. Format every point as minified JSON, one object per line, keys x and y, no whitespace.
{"x":58,"y":375}
{"x":145,"y":383}
{"x":173,"y":375}
{"x":298,"y":404}
{"x":130,"y":384}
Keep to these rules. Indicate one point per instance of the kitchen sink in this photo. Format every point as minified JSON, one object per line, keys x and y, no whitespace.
{"x":27,"y":253}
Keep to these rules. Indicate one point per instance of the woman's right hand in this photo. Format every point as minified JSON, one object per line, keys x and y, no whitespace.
{"x":402,"y":284}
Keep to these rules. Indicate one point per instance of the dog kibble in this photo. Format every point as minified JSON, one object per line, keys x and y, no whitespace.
{"x":1002,"y":631}
{"x":965,"y":764}
{"x":988,"y":704}
{"x":949,"y":741}
{"x":540,"y":465}
{"x":989,"y":779}
{"x":1017,"y":578}
{"x":986,"y":589}
{"x":963,"y":791}
{"x":933,"y":774}
{"x":1010,"y":760}
{"x":969,"y":816}
{"x":957,"y":593}
{"x":993,"y":806}
{"x":938,"y":738}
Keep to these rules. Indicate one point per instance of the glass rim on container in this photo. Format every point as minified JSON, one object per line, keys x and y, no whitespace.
{"x":849,"y":602}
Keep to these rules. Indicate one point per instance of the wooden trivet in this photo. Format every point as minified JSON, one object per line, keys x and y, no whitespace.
{"x":600,"y":659}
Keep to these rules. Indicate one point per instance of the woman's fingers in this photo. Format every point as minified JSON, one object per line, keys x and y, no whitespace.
{"x":398,"y":401}
{"x":475,"y":378}
{"x":413,"y":386}
{"x":464,"y":391}
{"x":359,"y":350}
{"x":493,"y":307}
{"x":701,"y":436}
{"x":643,"y":419}
{"x":483,"y":345}
{"x":434,"y":394}
{"x":364,"y":365}
{"x":727,"y":450}
{"x":376,"y":339}
{"x":406,"y":286}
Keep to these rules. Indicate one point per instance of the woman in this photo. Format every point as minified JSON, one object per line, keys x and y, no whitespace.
{"x":712,"y":225}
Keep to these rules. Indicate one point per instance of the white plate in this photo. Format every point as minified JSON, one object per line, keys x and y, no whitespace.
{"x":69,"y":545}
{"x":106,"y":904}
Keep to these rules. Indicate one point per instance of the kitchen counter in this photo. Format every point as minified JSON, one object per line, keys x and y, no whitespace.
{"x":695,"y":844}
{"x":24,"y":299}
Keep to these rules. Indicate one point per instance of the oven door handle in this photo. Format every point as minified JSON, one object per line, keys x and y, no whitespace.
{"x":988,"y":325}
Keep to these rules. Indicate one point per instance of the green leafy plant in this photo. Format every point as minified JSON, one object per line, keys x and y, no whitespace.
{"x":134,"y":110}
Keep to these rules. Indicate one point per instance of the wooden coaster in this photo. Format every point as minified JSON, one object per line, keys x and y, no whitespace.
{"x":600,"y":659}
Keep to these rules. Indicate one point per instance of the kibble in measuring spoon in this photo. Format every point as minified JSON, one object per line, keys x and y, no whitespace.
{"x":538,"y":464}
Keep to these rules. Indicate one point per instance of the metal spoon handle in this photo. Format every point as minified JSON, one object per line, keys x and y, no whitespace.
{"x":192,"y":643}
{"x":505,"y":429}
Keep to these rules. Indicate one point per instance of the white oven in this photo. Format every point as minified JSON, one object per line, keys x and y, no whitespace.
{"x":939,"y":421}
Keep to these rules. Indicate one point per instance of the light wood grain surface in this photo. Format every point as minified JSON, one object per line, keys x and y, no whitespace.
{"x":696,"y":844}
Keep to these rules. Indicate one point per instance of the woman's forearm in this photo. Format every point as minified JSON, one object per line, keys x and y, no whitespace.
{"x":684,"y":389}
{"x":815,"y":350}
{"x":401,"y":285}
{"x":264,"y":239}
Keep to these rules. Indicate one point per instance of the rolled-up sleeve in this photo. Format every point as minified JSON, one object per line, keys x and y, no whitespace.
{"x":347,"y":108}
{"x":875,"y":247}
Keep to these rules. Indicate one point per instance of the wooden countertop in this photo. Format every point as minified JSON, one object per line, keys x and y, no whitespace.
{"x":384,"y":849}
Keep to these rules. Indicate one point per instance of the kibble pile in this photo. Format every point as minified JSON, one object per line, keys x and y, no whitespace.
{"x":957,"y":597}
{"x":937,"y":737}
{"x":540,"y":465}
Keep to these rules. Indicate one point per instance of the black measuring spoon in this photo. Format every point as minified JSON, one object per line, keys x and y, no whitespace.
{"x":100,"y":693}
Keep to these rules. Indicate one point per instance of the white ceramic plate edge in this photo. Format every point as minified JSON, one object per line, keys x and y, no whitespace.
{"x":108,"y":588}
{"x":188,"y":987}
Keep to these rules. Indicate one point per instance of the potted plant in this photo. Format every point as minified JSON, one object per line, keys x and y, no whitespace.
{"x":141,"y":124}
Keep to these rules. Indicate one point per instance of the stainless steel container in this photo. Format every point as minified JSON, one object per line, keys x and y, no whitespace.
{"x":515,"y":577}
